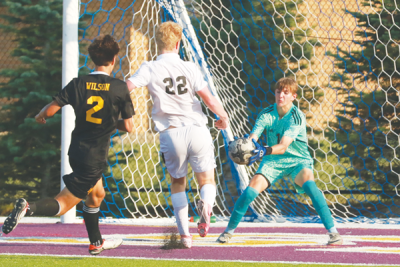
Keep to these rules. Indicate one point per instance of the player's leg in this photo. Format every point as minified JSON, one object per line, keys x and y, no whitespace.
{"x":181,"y":209}
{"x":180,"y":204}
{"x":174,"y":155}
{"x":202,"y":160}
{"x":257,"y":184}
{"x":305,"y":179}
{"x":91,"y":212}
{"x":57,"y":206}
{"x":208,"y":193}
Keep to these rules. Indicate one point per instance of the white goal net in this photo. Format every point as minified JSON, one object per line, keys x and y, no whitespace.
{"x":345,"y":57}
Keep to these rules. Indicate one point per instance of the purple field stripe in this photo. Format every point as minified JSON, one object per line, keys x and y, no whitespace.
{"x":230,"y":253}
{"x":79,"y":230}
{"x":201,"y":253}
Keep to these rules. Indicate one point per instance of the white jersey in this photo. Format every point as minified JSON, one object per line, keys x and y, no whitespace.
{"x":173,"y":84}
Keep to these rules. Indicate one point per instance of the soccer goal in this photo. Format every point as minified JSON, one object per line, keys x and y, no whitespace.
{"x":344,"y":55}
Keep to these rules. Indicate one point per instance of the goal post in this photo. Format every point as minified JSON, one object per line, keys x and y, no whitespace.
{"x":343,"y":56}
{"x":70,"y":65}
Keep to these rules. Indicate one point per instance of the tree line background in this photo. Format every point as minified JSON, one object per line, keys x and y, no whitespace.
{"x":30,"y":152}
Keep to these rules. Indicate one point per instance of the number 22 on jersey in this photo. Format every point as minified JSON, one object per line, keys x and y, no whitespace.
{"x":90,"y":112}
{"x":181,"y":80}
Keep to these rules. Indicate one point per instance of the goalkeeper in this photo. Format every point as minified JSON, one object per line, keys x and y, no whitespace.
{"x":285,"y":155}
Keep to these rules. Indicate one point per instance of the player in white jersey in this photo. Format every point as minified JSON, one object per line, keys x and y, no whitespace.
{"x":177,"y":114}
{"x":285,"y":156}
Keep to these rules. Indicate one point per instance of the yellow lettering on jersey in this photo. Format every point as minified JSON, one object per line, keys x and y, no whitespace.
{"x":98,"y":86}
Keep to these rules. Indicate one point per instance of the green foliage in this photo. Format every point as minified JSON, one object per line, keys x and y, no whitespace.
{"x":30,"y":158}
{"x":261,"y":38}
{"x":367,"y":124}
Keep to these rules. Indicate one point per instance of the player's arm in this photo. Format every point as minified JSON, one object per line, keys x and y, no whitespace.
{"x":280,"y":148}
{"x":47,"y":111}
{"x":125,"y":125}
{"x":216,"y":107}
{"x":277,"y":149}
{"x":127,"y":110}
{"x":130,"y":85}
{"x":140,"y":78}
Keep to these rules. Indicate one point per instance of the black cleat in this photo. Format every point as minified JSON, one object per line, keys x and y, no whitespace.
{"x":19,"y":211}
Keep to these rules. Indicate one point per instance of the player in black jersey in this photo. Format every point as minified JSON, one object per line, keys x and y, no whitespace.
{"x":98,"y":100}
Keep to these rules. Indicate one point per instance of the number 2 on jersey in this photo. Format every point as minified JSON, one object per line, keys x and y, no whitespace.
{"x":90,"y":112}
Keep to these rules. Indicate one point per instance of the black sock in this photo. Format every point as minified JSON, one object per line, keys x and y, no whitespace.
{"x":91,"y":217}
{"x":44,"y":207}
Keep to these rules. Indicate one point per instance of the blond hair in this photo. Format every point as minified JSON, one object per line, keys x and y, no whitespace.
{"x":167,"y":35}
{"x":287,"y":82}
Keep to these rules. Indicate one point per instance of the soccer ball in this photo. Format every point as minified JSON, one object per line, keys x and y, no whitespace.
{"x":240,"y":150}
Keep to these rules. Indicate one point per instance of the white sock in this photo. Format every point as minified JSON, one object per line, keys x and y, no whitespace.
{"x":180,"y":204}
{"x":332,"y":230}
{"x":208,"y":193}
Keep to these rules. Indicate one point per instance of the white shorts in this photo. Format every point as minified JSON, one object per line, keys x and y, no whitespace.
{"x":191,"y":144}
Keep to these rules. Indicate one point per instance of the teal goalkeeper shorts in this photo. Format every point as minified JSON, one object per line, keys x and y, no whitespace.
{"x":273,"y":174}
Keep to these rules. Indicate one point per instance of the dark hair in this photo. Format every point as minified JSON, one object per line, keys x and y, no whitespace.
{"x":103,"y":50}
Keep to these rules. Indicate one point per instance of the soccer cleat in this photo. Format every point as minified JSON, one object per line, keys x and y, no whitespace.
{"x":224,"y":237}
{"x":107,"y":244}
{"x":204,"y":210}
{"x":335,"y":239}
{"x":19,"y":211}
{"x":187,"y":241}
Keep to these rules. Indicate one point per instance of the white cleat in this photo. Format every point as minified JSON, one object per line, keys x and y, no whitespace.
{"x":107,"y":244}
{"x":187,"y":241}
{"x":335,"y":239}
{"x":224,"y":237}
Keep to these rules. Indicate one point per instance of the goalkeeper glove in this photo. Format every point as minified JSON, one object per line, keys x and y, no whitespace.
{"x":259,"y":152}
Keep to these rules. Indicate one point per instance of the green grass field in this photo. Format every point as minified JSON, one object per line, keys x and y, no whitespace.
{"x":28,"y":261}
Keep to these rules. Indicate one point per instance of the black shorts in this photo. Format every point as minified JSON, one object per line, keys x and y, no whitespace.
{"x":82,"y":179}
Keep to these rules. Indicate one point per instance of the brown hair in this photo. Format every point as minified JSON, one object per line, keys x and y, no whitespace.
{"x":103,"y":50}
{"x":287,"y":82}
{"x":167,"y":35}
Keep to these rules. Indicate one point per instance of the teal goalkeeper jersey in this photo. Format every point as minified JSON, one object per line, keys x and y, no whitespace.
{"x":293,"y":125}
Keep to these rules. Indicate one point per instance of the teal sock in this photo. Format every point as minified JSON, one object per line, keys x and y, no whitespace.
{"x":319,"y":203}
{"x":240,"y":209}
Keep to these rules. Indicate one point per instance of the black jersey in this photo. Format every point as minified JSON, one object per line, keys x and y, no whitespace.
{"x":98,"y":100}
